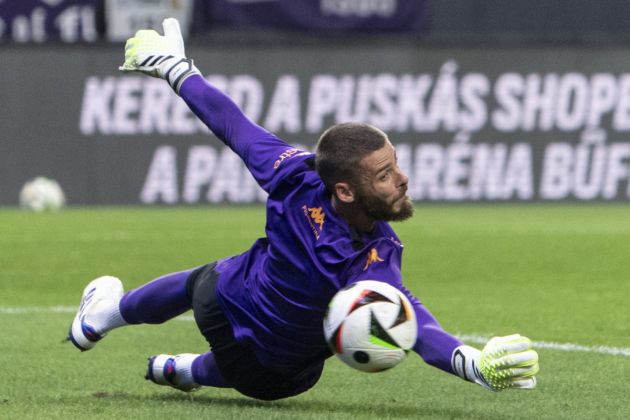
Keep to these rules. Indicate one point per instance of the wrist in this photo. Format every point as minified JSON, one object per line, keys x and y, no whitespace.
{"x":465,"y":364}
{"x":176,"y":70}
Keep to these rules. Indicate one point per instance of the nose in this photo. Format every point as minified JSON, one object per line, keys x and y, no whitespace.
{"x":403,"y":179}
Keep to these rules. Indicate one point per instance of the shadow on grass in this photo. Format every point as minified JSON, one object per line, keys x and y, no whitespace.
{"x":391,"y":409}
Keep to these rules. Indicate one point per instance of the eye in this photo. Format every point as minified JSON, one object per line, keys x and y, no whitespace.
{"x":385,"y":176}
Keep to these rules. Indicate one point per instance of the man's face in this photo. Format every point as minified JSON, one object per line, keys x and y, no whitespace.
{"x":382,"y":193}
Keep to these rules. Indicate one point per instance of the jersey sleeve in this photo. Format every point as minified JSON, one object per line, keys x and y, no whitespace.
{"x":381,"y":261}
{"x":265,"y":155}
{"x":433,"y":344}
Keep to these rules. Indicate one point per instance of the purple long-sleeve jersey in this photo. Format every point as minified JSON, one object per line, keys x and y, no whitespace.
{"x":276,"y":293}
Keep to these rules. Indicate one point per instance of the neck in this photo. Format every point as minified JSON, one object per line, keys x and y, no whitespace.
{"x":353,"y":215}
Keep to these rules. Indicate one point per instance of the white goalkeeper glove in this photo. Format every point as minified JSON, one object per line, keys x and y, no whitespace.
{"x":504,"y":363}
{"x":160,"y":56}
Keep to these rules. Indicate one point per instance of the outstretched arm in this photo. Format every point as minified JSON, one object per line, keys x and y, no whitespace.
{"x":504,"y":363}
{"x":163,"y":56}
{"x":257,"y":147}
{"x":433,"y":344}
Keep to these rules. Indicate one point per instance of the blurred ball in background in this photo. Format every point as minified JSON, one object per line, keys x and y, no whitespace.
{"x":42,"y":194}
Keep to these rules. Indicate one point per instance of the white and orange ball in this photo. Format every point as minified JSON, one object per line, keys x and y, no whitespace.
{"x":370,"y":325}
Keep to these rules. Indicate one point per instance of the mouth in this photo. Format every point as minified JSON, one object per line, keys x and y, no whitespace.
{"x":399,"y":202}
{"x":402,"y":197}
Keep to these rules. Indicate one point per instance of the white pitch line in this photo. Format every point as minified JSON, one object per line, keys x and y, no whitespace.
{"x":469,"y":338}
{"x":612,"y":351}
{"x":24,"y":310}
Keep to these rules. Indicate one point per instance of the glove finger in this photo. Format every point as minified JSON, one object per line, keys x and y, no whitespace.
{"x":504,"y":339}
{"x":500,"y":342}
{"x":130,"y":44}
{"x":514,"y":346}
{"x":130,"y":61}
{"x":130,"y":49}
{"x":171,"y":27}
{"x":527,"y":383}
{"x":173,"y":32}
{"x":146,"y":33}
{"x":520,"y":359}
{"x":524,"y":372}
{"x":518,"y":345}
{"x":130,"y":55}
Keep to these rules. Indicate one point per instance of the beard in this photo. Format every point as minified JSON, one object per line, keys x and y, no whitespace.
{"x":378,"y":209}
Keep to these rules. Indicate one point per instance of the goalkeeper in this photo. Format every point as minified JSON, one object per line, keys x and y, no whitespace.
{"x":327,"y":227}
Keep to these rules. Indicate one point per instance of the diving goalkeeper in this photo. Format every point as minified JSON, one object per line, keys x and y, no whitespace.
{"x":327,"y":227}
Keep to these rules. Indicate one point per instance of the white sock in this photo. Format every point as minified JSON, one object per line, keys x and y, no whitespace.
{"x":105,"y":316}
{"x":114,"y":318}
{"x":183,"y":365}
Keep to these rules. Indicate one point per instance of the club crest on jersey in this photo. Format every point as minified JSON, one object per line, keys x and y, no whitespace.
{"x":315,"y":217}
{"x":372,"y":258}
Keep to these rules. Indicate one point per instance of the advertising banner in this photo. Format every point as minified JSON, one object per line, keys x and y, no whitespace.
{"x":319,"y":15}
{"x":469,"y":125}
{"x":124,"y":17}
{"x":42,"y":21}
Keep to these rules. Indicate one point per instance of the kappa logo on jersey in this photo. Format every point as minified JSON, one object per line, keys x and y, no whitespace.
{"x":318,"y":216}
{"x":315,"y":217}
{"x":372,"y":258}
{"x":287,"y":154}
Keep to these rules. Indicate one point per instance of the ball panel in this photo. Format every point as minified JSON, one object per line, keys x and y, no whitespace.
{"x":361,"y":357}
{"x":378,"y":360}
{"x":405,"y":312}
{"x":379,"y":335}
{"x":366,"y":297}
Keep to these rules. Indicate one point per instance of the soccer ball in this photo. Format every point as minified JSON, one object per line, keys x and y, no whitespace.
{"x":370,"y":325}
{"x":41,"y":194}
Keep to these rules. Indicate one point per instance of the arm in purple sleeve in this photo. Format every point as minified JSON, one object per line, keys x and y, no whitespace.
{"x":257,"y":147}
{"x":433,"y":344}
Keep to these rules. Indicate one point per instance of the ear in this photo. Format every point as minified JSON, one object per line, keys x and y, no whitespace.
{"x":344,"y":192}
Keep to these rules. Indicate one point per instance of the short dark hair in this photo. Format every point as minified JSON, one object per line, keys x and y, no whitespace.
{"x":340,"y":149}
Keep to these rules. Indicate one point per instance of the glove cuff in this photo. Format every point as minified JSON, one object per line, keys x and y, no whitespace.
{"x":176,"y":72}
{"x":465,"y":363}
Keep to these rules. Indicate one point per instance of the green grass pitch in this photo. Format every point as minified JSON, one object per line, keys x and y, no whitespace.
{"x":558,"y":274}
